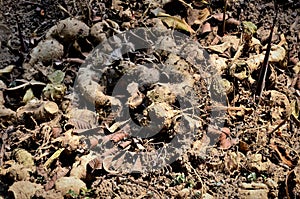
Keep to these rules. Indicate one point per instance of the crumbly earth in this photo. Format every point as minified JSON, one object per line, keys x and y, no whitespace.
{"x":249,"y":151}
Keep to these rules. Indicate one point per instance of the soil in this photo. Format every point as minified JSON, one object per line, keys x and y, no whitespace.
{"x":44,"y":131}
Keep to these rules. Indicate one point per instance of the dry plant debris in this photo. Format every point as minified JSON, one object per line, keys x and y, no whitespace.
{"x":54,"y":145}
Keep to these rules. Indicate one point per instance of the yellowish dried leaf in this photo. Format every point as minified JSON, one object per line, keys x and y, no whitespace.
{"x":53,"y":157}
{"x":7,"y":69}
{"x":28,"y":96}
{"x":175,"y":22}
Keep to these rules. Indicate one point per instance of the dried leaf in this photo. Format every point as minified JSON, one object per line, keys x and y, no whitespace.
{"x":296,"y":68}
{"x":78,"y":124}
{"x":200,"y":3}
{"x":219,"y":48}
{"x":73,"y":141}
{"x":57,"y":173}
{"x":196,"y":16}
{"x":118,"y":162}
{"x":232,"y":161}
{"x":7,"y":114}
{"x":7,"y":69}
{"x":108,"y":163}
{"x":282,"y":156}
{"x":233,"y":21}
{"x":116,"y":5}
{"x":233,"y":40}
{"x":118,"y":136}
{"x":28,"y":96}
{"x":116,"y":125}
{"x":81,"y":119}
{"x":277,"y":53}
{"x":206,"y":27}
{"x":135,"y":100}
{"x":53,"y":157}
{"x":220,"y":63}
{"x":54,"y":91}
{"x":295,"y":112}
{"x":175,"y":22}
{"x":96,"y":163}
{"x":225,"y":142}
{"x":240,"y":70}
{"x":219,"y":16}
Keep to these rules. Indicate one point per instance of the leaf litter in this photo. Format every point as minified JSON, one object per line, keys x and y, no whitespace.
{"x":46,"y":154}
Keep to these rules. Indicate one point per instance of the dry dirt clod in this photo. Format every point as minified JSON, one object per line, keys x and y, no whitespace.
{"x":136,"y":97}
{"x":169,"y":99}
{"x":18,"y":172}
{"x":46,"y":51}
{"x":5,"y":33}
{"x":68,"y":30}
{"x":90,"y":89}
{"x":23,"y":157}
{"x":24,"y":189}
{"x":79,"y":168}
{"x":255,"y":163}
{"x":280,"y":105}
{"x":51,"y":194}
{"x":65,"y":184}
{"x":98,"y":31}
{"x":254,"y":194}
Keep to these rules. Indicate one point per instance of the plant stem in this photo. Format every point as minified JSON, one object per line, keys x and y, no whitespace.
{"x":224,"y":16}
{"x":265,"y":66}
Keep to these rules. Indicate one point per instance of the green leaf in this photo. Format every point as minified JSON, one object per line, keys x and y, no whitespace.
{"x":249,"y":27}
{"x":56,"y":77}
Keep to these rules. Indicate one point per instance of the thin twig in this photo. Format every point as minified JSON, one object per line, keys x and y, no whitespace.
{"x":264,"y":68}
{"x":23,"y":45}
{"x":31,"y":3}
{"x":186,"y":4}
{"x":224,"y":17}
{"x":64,"y":10}
{"x":279,"y":125}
